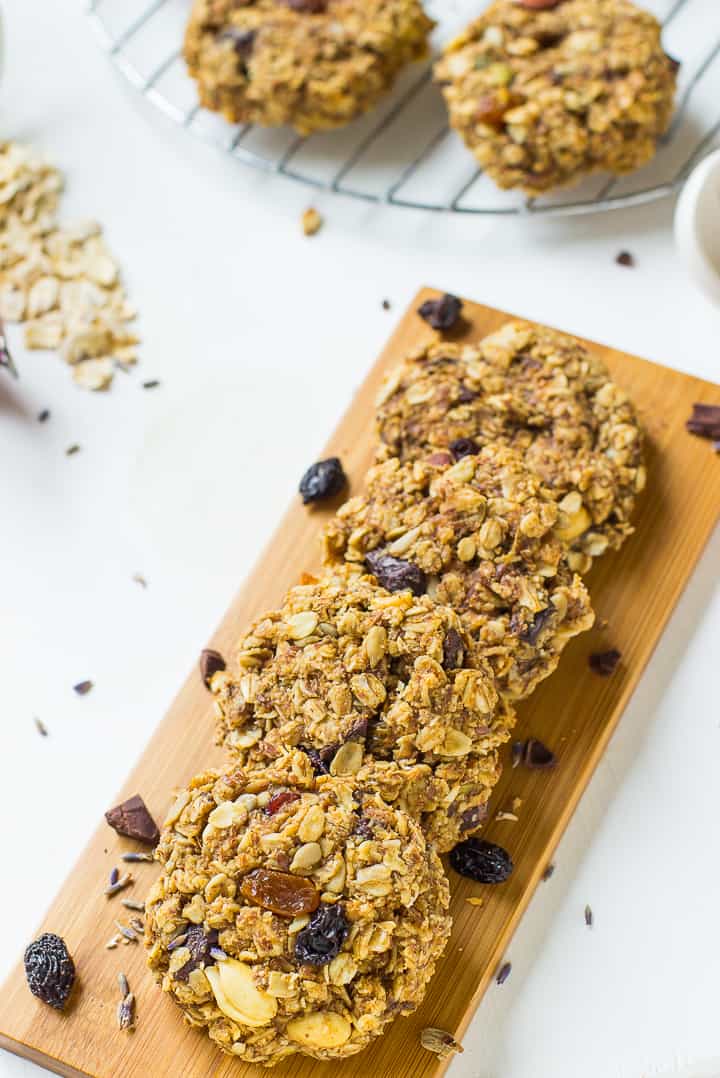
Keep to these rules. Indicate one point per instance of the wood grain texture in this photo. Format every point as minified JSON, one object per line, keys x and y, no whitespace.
{"x":574,"y":712}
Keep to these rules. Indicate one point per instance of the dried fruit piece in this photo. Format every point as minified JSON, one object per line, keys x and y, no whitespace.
{"x":395,"y":574}
{"x":311,"y":221}
{"x":242,"y":41}
{"x":533,"y":754}
{"x":532,"y":633}
{"x":321,"y":940}
{"x":237,"y":995}
{"x":320,"y":1029}
{"x":308,"y":7}
{"x":320,"y":760}
{"x":453,"y":650}
{"x":481,"y":860}
{"x":211,"y":662}
{"x":286,"y":797}
{"x":131,"y":818}
{"x":705,"y":420}
{"x":280,"y":892}
{"x":83,"y":687}
{"x":50,"y":970}
{"x":441,"y":313}
{"x":440,"y":1042}
{"x":200,"y":944}
{"x":463,"y":447}
{"x":604,"y":663}
{"x":322,"y":480}
{"x":625,"y":259}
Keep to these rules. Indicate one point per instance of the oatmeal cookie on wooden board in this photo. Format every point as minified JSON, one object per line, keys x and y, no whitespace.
{"x":293,"y":913}
{"x":375,"y":684}
{"x":544,"y":94}
{"x":543,"y":393}
{"x":314,"y":64}
{"x":481,"y":531}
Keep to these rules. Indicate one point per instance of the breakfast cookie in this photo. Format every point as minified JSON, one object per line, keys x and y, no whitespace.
{"x":481,"y":532}
{"x":372,"y":683}
{"x":314,"y":64}
{"x":544,"y":93}
{"x":294,"y":913}
{"x":544,"y":394}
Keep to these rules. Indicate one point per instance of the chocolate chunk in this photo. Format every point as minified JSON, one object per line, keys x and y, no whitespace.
{"x":441,"y":313}
{"x":625,"y":259}
{"x":604,"y":663}
{"x":83,"y":687}
{"x":705,"y":421}
{"x":538,"y":757}
{"x":453,"y":650}
{"x":50,"y":970}
{"x":322,"y":480}
{"x":211,"y":662}
{"x":242,"y":41}
{"x":199,"y":943}
{"x":395,"y":574}
{"x":464,"y":447}
{"x":471,"y":818}
{"x":132,"y":819}
{"x":532,"y":632}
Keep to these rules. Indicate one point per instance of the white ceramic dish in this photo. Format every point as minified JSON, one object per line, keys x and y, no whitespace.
{"x":697,"y":225}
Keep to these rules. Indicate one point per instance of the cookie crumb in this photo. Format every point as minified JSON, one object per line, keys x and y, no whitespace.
{"x":311,"y":221}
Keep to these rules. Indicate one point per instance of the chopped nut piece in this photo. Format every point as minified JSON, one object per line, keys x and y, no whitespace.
{"x":311,"y":222}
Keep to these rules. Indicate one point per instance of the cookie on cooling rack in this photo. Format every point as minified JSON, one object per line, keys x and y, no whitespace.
{"x":377,"y":684}
{"x":313,"y":64}
{"x":293,"y":913}
{"x":546,"y":91}
{"x":480,"y":529}
{"x":544,"y":394}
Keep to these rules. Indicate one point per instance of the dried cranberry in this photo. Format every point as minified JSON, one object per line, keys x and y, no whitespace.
{"x":395,"y":574}
{"x":464,"y":447}
{"x":441,"y":313}
{"x":323,"y":480}
{"x":453,"y":650}
{"x":320,"y":941}
{"x":199,"y":943}
{"x":50,"y":970}
{"x":481,"y":860}
{"x":280,"y":800}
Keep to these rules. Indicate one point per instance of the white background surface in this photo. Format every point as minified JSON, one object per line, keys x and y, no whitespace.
{"x":259,"y":337}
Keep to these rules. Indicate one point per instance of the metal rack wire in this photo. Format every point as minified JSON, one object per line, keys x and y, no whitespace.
{"x":403,"y":153}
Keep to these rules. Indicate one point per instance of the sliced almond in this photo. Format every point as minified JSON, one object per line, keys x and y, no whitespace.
{"x":320,"y":1029}
{"x":237,"y":995}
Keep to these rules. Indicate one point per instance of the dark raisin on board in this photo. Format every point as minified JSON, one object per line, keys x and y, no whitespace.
{"x":705,"y":421}
{"x":83,"y":687}
{"x":481,"y":860}
{"x":322,"y":480}
{"x":395,"y":574}
{"x":50,"y":970}
{"x":625,"y":259}
{"x":441,"y":313}
{"x":132,"y":819}
{"x":211,"y":662}
{"x":533,"y":754}
{"x":322,"y":938}
{"x":604,"y":663}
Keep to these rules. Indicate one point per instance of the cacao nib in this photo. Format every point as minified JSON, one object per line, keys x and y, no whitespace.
{"x":441,"y":313}
{"x":481,"y":860}
{"x":49,"y":969}
{"x":604,"y":663}
{"x":211,"y":662}
{"x":395,"y":574}
{"x":322,"y":480}
{"x":132,"y":819}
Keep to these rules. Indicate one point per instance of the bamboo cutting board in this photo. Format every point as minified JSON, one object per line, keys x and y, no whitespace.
{"x":574,"y":712}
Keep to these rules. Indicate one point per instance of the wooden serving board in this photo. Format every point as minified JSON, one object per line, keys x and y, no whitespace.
{"x":574,"y":712}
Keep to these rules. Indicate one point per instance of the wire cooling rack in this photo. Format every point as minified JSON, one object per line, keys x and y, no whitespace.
{"x":403,"y":153}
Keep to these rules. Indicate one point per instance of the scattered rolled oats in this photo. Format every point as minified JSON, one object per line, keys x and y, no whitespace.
{"x":61,"y":282}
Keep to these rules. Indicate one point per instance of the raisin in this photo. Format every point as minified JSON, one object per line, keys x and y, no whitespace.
{"x":465,"y":395}
{"x":441,"y":313}
{"x":280,"y":892}
{"x":319,"y":765}
{"x":276,"y":803}
{"x":604,"y":663}
{"x":308,"y":7}
{"x":132,"y":819}
{"x":395,"y":574}
{"x":323,"y":480}
{"x":50,"y":970}
{"x":531,"y":634}
{"x":625,"y":259}
{"x":199,"y":943}
{"x":242,"y":41}
{"x":537,"y":756}
{"x":471,"y":818}
{"x":211,"y":662}
{"x":320,"y":941}
{"x":482,"y":861}
{"x":464,"y":447}
{"x":453,"y":650}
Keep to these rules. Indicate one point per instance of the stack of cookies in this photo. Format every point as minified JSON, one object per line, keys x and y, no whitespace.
{"x":302,"y":904}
